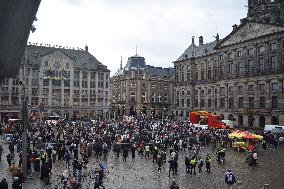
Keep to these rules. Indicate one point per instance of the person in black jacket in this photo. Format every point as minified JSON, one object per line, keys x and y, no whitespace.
{"x":187,"y":164}
{"x":125,"y":153}
{"x":17,"y":184}
{"x":159,"y":162}
{"x":9,"y":159}
{"x":172,"y":166}
{"x":3,"y":184}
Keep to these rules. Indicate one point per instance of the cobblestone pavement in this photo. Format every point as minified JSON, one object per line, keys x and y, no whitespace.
{"x":141,"y":173}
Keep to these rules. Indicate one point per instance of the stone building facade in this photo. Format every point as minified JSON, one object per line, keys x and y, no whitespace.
{"x":139,"y":89}
{"x":240,"y":76}
{"x":65,"y":82}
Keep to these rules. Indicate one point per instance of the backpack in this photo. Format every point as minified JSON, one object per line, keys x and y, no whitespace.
{"x":229,"y":178}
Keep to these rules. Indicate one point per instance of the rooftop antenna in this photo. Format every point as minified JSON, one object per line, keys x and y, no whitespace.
{"x":121,"y":62}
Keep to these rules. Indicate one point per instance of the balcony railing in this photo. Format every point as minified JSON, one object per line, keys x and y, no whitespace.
{"x":10,"y":107}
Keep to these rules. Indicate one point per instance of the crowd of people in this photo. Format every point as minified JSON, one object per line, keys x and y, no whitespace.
{"x":74,"y":143}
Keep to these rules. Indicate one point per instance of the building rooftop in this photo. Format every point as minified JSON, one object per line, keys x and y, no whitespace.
{"x":137,"y":63}
{"x":81,"y":58}
{"x":194,"y":51}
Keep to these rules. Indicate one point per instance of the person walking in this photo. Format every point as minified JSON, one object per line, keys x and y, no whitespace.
{"x":147,"y":151}
{"x":155,"y":154}
{"x":9,"y":159}
{"x":187,"y":164}
{"x":125,"y":153}
{"x":159,"y":162}
{"x":200,"y":164}
{"x":193,"y":163}
{"x":133,"y":151}
{"x":230,"y":179}
{"x":208,"y":163}
{"x":17,"y":184}
{"x":172,"y":166}
{"x":4,"y":184}
{"x":1,"y":151}
{"x":67,"y":159}
{"x":254,"y":158}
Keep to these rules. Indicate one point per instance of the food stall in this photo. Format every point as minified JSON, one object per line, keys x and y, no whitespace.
{"x":243,"y":139}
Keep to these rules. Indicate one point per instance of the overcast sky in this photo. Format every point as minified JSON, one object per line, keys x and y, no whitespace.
{"x":161,"y":29}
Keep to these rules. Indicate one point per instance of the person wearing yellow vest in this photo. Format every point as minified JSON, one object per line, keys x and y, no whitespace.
{"x":193,"y":163}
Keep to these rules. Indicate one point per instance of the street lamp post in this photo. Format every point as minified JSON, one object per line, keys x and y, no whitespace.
{"x":24,"y":131}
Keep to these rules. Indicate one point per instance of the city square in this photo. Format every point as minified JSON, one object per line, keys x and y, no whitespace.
{"x":179,"y":112}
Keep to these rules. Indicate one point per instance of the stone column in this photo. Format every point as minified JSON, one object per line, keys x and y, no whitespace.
{"x":80,"y":88}
{"x":89,"y":87}
{"x":21,"y":78}
{"x":138,"y":96}
{"x":62,"y":94}
{"x":30,"y":86}
{"x":10,"y":82}
{"x":97,"y":86}
{"x":50,"y":93}
{"x":71,"y":88}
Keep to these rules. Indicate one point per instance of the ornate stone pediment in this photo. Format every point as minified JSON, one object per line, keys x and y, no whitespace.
{"x":56,"y":65}
{"x":249,"y":31}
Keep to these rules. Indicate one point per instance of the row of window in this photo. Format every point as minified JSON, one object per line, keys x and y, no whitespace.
{"x":250,"y":51}
{"x":251,"y":103}
{"x":56,"y":73}
{"x":154,"y":98}
{"x":67,"y":65}
{"x":101,"y":76}
{"x":230,"y":68}
{"x":240,"y":89}
{"x":153,"y":85}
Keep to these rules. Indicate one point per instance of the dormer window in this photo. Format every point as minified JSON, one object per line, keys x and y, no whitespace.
{"x":250,"y":51}
{"x":273,"y":46}
{"x":230,"y":56}
{"x":240,"y":53}
{"x":261,"y":49}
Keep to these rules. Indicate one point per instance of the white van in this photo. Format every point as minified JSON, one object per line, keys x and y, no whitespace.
{"x":229,"y":123}
{"x":271,"y":127}
{"x":52,"y":120}
{"x":203,"y":127}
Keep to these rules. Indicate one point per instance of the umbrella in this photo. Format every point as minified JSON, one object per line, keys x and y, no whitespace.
{"x":249,"y":137}
{"x":252,"y":136}
{"x":238,"y":134}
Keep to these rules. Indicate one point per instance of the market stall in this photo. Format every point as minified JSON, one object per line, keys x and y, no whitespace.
{"x":244,"y":140}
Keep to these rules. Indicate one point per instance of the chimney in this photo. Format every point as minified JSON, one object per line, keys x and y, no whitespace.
{"x":235,"y":26}
{"x":192,"y":39}
{"x":200,"y":40}
{"x":86,"y":48}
